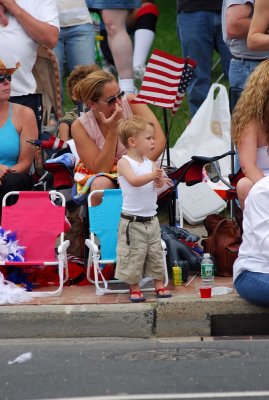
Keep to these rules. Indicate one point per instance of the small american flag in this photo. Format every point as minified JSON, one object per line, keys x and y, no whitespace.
{"x":53,"y":143}
{"x":165,"y":81}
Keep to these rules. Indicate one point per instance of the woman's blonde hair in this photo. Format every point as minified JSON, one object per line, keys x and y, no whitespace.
{"x":131,"y":127}
{"x":253,"y":103}
{"x":91,"y":87}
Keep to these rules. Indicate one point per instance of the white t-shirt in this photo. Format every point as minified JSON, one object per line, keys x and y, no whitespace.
{"x":141,"y":200}
{"x":254,"y":250}
{"x":73,"y":12}
{"x":17,"y":45}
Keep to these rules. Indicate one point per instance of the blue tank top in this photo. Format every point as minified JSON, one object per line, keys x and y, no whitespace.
{"x":9,"y":142}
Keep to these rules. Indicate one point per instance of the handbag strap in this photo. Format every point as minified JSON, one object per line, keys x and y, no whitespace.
{"x":213,"y":241}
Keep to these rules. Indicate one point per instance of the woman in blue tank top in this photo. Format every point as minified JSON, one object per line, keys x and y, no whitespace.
{"x":17,"y":124}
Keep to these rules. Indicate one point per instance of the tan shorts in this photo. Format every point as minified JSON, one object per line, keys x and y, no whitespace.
{"x":144,"y":256}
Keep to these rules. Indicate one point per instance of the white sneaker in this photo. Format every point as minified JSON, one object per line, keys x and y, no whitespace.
{"x":133,"y":91}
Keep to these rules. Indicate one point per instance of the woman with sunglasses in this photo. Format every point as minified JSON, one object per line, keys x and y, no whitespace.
{"x":95,"y":133}
{"x":17,"y":124}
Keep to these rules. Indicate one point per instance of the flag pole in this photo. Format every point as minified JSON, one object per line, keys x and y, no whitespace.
{"x":167,"y":135}
{"x":167,"y":131}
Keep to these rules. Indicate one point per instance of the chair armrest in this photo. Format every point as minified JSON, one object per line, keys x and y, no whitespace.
{"x":163,"y":244}
{"x":63,"y":247}
{"x":205,"y":160}
{"x":92,"y":246}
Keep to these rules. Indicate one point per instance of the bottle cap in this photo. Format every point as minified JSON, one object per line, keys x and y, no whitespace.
{"x":206,"y":254}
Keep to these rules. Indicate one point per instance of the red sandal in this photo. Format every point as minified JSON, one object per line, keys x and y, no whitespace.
{"x":163,"y":295}
{"x":136,"y":299}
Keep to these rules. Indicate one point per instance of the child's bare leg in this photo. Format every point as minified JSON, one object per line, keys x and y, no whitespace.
{"x":3,"y":17}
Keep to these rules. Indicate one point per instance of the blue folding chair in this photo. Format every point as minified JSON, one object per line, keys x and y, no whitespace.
{"x":104,"y":220}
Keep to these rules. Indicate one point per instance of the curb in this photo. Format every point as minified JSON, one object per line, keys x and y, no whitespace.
{"x":71,"y":321}
{"x":193,"y":317}
{"x":185,"y":317}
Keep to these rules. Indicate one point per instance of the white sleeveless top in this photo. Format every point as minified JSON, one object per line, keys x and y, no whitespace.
{"x":140,"y":200}
{"x":263,"y":159}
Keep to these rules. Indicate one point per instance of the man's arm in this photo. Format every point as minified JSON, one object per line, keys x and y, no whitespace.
{"x":238,"y":18}
{"x":258,"y":38}
{"x":40,"y":31}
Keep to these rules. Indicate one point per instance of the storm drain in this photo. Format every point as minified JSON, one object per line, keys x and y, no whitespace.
{"x":240,"y":325}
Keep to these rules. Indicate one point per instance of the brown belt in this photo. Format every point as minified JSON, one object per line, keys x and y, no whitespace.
{"x":137,"y":218}
{"x":134,"y":218}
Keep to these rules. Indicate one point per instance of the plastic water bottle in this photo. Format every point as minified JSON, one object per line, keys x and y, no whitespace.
{"x":207,"y":275}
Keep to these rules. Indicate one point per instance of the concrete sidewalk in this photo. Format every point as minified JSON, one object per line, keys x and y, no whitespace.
{"x":78,"y":312}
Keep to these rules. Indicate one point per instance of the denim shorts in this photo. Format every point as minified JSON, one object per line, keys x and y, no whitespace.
{"x":253,"y":287}
{"x":113,"y":4}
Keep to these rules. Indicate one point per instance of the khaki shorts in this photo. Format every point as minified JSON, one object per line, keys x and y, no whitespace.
{"x":144,"y":256}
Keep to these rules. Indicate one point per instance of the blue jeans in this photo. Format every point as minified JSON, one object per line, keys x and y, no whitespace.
{"x":239,"y":72}
{"x":76,"y":45}
{"x":253,"y":287}
{"x":200,"y":33}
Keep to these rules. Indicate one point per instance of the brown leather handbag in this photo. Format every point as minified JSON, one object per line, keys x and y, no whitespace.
{"x":222,"y":242}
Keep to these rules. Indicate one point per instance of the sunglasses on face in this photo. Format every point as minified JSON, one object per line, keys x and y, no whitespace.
{"x":3,"y":77}
{"x":112,"y":100}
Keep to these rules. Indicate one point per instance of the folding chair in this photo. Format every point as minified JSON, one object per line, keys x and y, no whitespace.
{"x":38,"y":221}
{"x":190,"y":173}
{"x":104,"y":221}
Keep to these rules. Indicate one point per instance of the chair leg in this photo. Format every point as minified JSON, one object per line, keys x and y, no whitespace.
{"x":172,"y":209}
{"x":86,"y":230}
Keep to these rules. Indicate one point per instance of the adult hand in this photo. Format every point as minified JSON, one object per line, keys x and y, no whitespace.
{"x":11,"y":6}
{"x":3,"y":17}
{"x":4,"y":170}
{"x":112,"y":121}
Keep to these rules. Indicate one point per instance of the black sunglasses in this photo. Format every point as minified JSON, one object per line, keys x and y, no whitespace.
{"x":112,"y":100}
{"x":3,"y":77}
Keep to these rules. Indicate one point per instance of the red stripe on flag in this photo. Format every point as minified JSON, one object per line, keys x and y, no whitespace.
{"x":162,"y":79}
{"x":165,"y":64}
{"x":161,"y":74}
{"x":168,"y":56}
{"x":158,"y":82}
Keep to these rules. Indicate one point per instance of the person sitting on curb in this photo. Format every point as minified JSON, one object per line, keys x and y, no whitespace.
{"x":139,"y":250}
{"x":251,"y":268}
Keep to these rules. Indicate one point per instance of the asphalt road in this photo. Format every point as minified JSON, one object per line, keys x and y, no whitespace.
{"x":134,"y":369}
